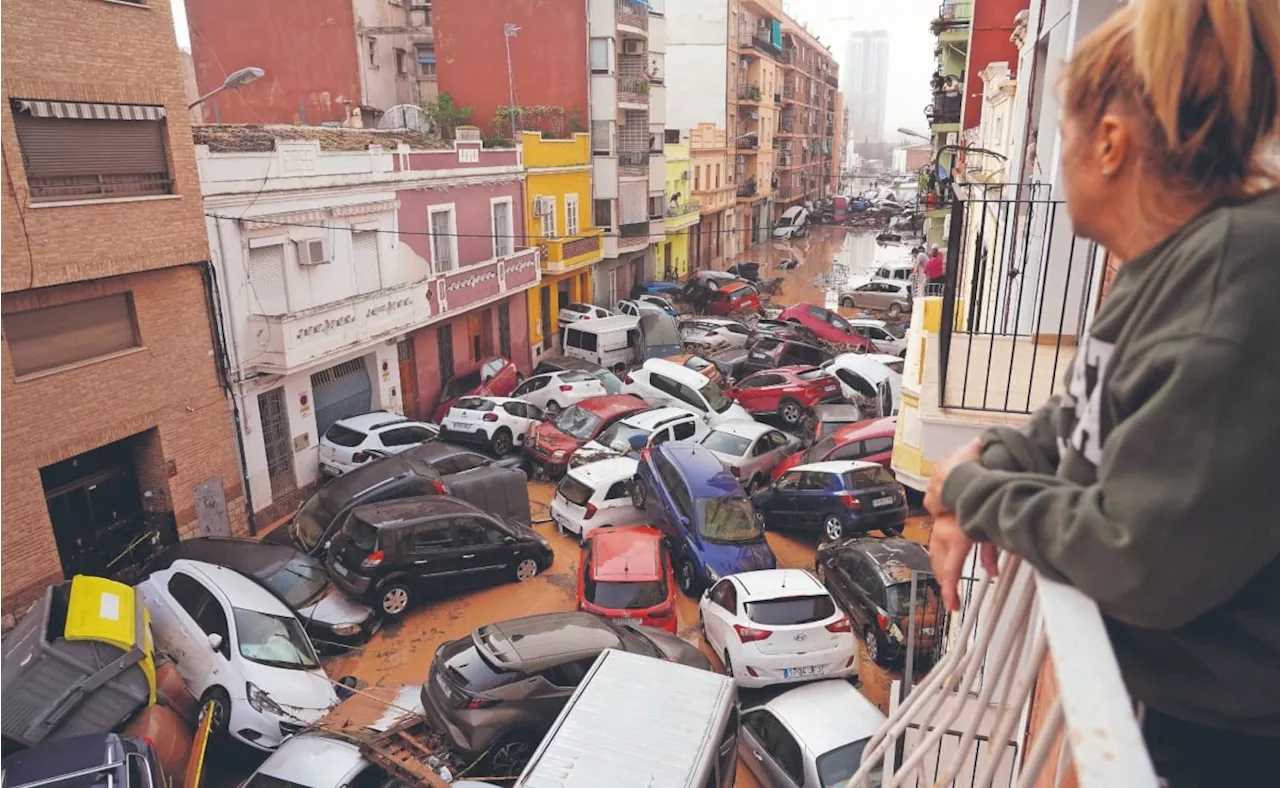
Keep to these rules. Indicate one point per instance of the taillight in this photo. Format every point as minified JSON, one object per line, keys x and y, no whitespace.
{"x":882,"y":620}
{"x":490,"y":417}
{"x":359,"y":457}
{"x":644,"y":453}
{"x":566,"y":388}
{"x":440,"y":487}
{"x":372,"y":560}
{"x":751,"y":634}
{"x":478,"y":703}
{"x":842,"y":625}
{"x":590,"y":511}
{"x":850,"y":501}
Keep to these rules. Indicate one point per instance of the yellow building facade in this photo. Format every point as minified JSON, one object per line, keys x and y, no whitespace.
{"x":558,"y":221}
{"x":672,"y":254}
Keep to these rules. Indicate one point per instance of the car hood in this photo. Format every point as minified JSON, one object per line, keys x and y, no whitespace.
{"x":728,"y":559}
{"x":675,"y":649}
{"x":594,"y":451}
{"x":335,"y":608}
{"x":736,"y":411}
{"x":306,"y":694}
{"x":549,"y":438}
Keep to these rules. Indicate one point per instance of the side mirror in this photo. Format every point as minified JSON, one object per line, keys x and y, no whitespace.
{"x":684,"y":521}
{"x":215,"y":641}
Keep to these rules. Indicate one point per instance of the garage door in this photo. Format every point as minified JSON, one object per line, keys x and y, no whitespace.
{"x":339,"y":392}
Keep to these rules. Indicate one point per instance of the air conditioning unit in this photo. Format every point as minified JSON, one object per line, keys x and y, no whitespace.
{"x":632,"y":47}
{"x":543,"y":206}
{"x":313,"y":252}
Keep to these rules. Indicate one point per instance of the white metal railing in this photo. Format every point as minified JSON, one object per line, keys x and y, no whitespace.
{"x":978,"y":685}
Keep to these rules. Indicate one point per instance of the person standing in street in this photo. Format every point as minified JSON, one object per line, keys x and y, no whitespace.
{"x":1148,"y":483}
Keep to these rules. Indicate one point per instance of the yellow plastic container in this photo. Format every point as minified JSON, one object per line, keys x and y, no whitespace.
{"x":110,"y":612}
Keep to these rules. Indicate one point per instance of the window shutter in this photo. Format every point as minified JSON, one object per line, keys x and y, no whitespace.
{"x":67,"y":158}
{"x":266,"y":279}
{"x":364,"y":259}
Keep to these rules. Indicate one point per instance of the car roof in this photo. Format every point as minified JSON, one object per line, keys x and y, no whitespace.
{"x":898,"y":264}
{"x":867,"y":321}
{"x":827,"y":714}
{"x":495,"y":400}
{"x":571,"y":362}
{"x":872,"y":428}
{"x":716,"y":321}
{"x":602,"y":324}
{"x":899,"y":283}
{"x":894,"y":556}
{"x":744,"y":428}
{"x":678,"y":372}
{"x":773,"y":583}
{"x":621,"y":555}
{"x":701,"y":468}
{"x":367,"y":422}
{"x":837,"y":466}
{"x":612,"y":405}
{"x":538,"y":642}
{"x":435,"y":451}
{"x":610,"y":470}
{"x":249,"y":556}
{"x":387,"y":514}
{"x":313,"y":759}
{"x":739,"y":284}
{"x":654,"y":417}
{"x":242,"y":591}
{"x":837,"y":413}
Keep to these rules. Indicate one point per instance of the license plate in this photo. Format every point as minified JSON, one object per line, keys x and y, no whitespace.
{"x":444,"y":686}
{"x":758,"y":355}
{"x":799,"y":673}
{"x":342,"y":570}
{"x":888,"y":499}
{"x":926,"y":631}
{"x":629,"y":620}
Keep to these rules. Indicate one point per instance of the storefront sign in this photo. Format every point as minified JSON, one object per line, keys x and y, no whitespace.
{"x":325,"y":326}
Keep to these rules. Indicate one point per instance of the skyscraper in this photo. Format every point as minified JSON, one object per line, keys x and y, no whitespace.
{"x":866,"y":84}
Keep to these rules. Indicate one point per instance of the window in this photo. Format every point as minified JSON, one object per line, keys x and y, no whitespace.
{"x":655,"y":206}
{"x":877,"y":445}
{"x":504,"y":330}
{"x":717,"y":176}
{"x":475,"y":331}
{"x":58,"y":336}
{"x":583,"y":340}
{"x":426,"y":61}
{"x":266,"y":280}
{"x":549,"y":218}
{"x":503,"y":228}
{"x":120,"y":151}
{"x":603,"y":213}
{"x":697,"y":179}
{"x":444,"y":350}
{"x":599,"y":55}
{"x":406,"y":436}
{"x":571,"y":228}
{"x":402,"y":62}
{"x":671,"y":136}
{"x":726,"y":596}
{"x":444,"y":242}
{"x":684,"y":430}
{"x":364,"y":259}
{"x":432,"y":536}
{"x":600,"y":137}
{"x":371,"y":45}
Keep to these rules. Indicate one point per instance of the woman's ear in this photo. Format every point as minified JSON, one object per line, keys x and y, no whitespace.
{"x":1111,"y":145}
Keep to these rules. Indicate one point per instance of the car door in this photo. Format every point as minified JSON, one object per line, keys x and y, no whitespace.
{"x":757,"y":392}
{"x":867,"y":296}
{"x":768,"y":452}
{"x":199,"y":614}
{"x":486,"y":554}
{"x":813,"y":500}
{"x":863,"y":584}
{"x":533,"y":390}
{"x":551,"y":688}
{"x":521,"y":418}
{"x":721,"y":613}
{"x":432,"y":552}
{"x":782,"y":504}
{"x":398,"y":439}
{"x":773,"y":754}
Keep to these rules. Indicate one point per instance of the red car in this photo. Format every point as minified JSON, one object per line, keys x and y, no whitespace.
{"x":735,"y":297}
{"x":871,"y":441}
{"x":496,"y":377}
{"x":547,"y":446}
{"x":786,"y":391}
{"x":826,"y":325}
{"x":626,"y":574}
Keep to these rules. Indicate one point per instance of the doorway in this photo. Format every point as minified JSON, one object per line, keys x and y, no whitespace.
{"x":544,"y":309}
{"x":668,"y":273}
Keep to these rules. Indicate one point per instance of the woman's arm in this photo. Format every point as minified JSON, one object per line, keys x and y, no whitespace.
{"x":1031,"y":448}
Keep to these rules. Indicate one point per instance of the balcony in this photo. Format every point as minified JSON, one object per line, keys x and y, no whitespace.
{"x":559,"y":256}
{"x":293,"y":341}
{"x":634,"y":162}
{"x":946,"y":108}
{"x":832,"y":80}
{"x":789,"y":92}
{"x":786,"y":126}
{"x":747,"y":190}
{"x":748,"y":143}
{"x":766,"y":46}
{"x":633,"y":15}
{"x":749,"y":94}
{"x":952,"y":23}
{"x":788,"y":57}
{"x":682,"y":215}
{"x":633,"y":93}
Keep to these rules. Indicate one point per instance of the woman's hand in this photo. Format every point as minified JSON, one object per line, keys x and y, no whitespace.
{"x":948,"y":550}
{"x":970,"y":452}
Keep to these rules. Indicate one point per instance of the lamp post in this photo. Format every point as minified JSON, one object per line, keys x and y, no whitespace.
{"x":916,"y":134}
{"x":510,"y":31}
{"x":234,"y":81}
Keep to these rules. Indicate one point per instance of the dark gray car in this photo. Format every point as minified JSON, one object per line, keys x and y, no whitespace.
{"x":501,"y":689}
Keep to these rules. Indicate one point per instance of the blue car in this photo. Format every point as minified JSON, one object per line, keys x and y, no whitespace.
{"x":700,"y":508}
{"x":668,"y":289}
{"x":838,"y":498}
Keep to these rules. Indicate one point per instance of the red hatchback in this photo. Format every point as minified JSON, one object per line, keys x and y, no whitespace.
{"x":626,"y":575}
{"x":496,"y":377}
{"x":827,"y":325}
{"x":548,"y":445}
{"x":786,"y":391}
{"x":735,"y":297}
{"x":871,"y":441}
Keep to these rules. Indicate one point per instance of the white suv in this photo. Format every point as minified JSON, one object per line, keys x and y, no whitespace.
{"x":355,"y":440}
{"x":495,"y":423}
{"x":554,"y":391}
{"x":662,"y":382}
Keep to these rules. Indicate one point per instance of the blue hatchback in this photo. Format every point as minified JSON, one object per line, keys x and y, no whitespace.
{"x":703,"y":513}
{"x":668,"y":289}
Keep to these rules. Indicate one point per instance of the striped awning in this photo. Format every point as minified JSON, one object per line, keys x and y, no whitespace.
{"x":81,"y":110}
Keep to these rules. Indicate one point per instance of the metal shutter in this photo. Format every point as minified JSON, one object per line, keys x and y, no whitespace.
{"x":55,"y":336}
{"x":364,"y":258}
{"x":266,"y":279}
{"x":74,"y":158}
{"x":340,"y":391}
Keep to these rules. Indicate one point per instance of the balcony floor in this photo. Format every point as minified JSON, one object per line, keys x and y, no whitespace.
{"x":995,"y":379}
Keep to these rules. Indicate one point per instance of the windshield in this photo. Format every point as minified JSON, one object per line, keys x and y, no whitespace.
{"x":837,"y":766}
{"x":728,"y":520}
{"x":578,"y":423}
{"x":621,"y":431}
{"x":277,"y":641}
{"x":840,"y":323}
{"x":828,"y":427}
{"x":612,"y":384}
{"x":787,"y":611}
{"x":818,"y":451}
{"x":460,"y":385}
{"x":300,"y":580}
{"x":716,"y":398}
{"x":868,"y":477}
{"x":659,"y":330}
{"x":312,"y":520}
{"x":727,"y":443}
{"x":575,"y":491}
{"x":624,"y":596}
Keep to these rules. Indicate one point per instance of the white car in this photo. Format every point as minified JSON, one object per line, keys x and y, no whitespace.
{"x":659,"y":301}
{"x":638,"y":431}
{"x":864,"y":376}
{"x":662,"y":382}
{"x":355,"y":440}
{"x":572,"y":313}
{"x":887,"y":338}
{"x":554,"y":391}
{"x":894,"y":363}
{"x":750,"y":450}
{"x":235,"y":642}
{"x":596,"y":495}
{"x":776,"y":626}
{"x":319,"y":761}
{"x":715,"y":332}
{"x":640,"y":307}
{"x":498,"y":424}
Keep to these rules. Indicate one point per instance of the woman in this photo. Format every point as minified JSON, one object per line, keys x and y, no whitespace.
{"x":1148,"y":483}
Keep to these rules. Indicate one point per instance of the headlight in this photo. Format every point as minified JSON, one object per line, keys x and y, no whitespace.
{"x":346,"y":630}
{"x":260,"y":701}
{"x":559,"y":455}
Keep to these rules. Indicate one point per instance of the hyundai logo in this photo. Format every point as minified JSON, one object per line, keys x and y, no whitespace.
{"x":802,"y":637}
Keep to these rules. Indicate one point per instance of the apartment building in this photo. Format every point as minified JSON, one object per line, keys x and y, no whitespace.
{"x":811,"y":120}
{"x":681,"y":210}
{"x":325,"y":60}
{"x":565,"y":71}
{"x":866,"y":84}
{"x":715,"y":236}
{"x":117,"y":429}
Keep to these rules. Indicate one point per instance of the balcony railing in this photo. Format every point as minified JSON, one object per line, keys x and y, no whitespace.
{"x":633,"y":159}
{"x":767,"y":46}
{"x":634,"y":229}
{"x":748,"y":142}
{"x":1022,"y":641}
{"x":560,"y":254}
{"x":747,"y":190}
{"x":786,"y":126}
{"x":789,"y":91}
{"x":945,"y":108}
{"x":749,"y":93}
{"x":633,"y":90}
{"x":1016,"y":293}
{"x":956,"y":10}
{"x":682,"y":209}
{"x":832,"y":80}
{"x":788,"y":57}
{"x":632,"y":14}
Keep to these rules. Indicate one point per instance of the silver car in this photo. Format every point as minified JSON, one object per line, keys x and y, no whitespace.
{"x":813,"y":735}
{"x":750,"y":450}
{"x":887,"y":337}
{"x":885,"y":295}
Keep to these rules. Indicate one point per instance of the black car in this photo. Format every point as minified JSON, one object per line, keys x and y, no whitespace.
{"x":772,"y":352}
{"x":95,"y":759}
{"x":781,"y":329}
{"x":394,"y":552}
{"x":299,"y":580}
{"x":745,"y":269}
{"x":870,"y":579}
{"x":731,"y":361}
{"x":836,"y":498}
{"x":612,"y":383}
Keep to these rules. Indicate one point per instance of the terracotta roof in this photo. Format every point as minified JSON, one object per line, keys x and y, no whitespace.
{"x":260,"y":139}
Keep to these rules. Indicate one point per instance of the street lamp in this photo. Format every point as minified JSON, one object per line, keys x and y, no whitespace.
{"x":916,"y":134}
{"x":234,"y":81}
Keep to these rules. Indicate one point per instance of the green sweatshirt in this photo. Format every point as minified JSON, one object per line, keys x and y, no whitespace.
{"x":1149,"y":485}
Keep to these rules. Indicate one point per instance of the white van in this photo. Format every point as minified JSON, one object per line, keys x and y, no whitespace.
{"x":612,"y":342}
{"x":662,"y":382}
{"x":793,"y":222}
{"x":689,"y":720}
{"x":865,"y":377}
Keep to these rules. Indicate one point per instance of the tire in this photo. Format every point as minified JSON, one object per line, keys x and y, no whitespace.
{"x":847,"y":301}
{"x":833,"y":529}
{"x":501,"y":443}
{"x":687,"y":577}
{"x":637,"y":493}
{"x":221,"y":710}
{"x":791,"y":412}
{"x":509,"y":756}
{"x":394,"y":599}
{"x":895,"y":309}
{"x":552,"y":407}
{"x":526,"y":569}
{"x":871,"y":642}
{"x":895,"y":530}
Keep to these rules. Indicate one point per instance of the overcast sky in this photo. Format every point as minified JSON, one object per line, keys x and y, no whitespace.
{"x":910,"y":44}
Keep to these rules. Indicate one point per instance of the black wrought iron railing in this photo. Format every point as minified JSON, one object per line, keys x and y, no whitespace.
{"x":1015,"y":298}
{"x":945,"y":108}
{"x":634,"y":229}
{"x":633,"y":158}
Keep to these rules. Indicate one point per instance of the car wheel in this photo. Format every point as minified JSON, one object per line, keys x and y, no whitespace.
{"x":687,"y":577}
{"x":527,"y":569}
{"x":394,"y":599}
{"x":637,"y":493}
{"x":872,"y":642}
{"x":552,"y":407}
{"x":846,"y":301}
{"x":510,"y":756}
{"x":892,"y":530}
{"x":501,"y":443}
{"x":790,"y":412}
{"x":221,"y":710}
{"x":895,"y":309}
{"x":728,"y":665}
{"x":833,"y":529}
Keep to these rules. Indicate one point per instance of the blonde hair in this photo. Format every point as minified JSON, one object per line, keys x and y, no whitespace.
{"x":1202,"y":79}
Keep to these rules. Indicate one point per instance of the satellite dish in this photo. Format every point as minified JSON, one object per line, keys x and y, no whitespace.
{"x":407,"y":116}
